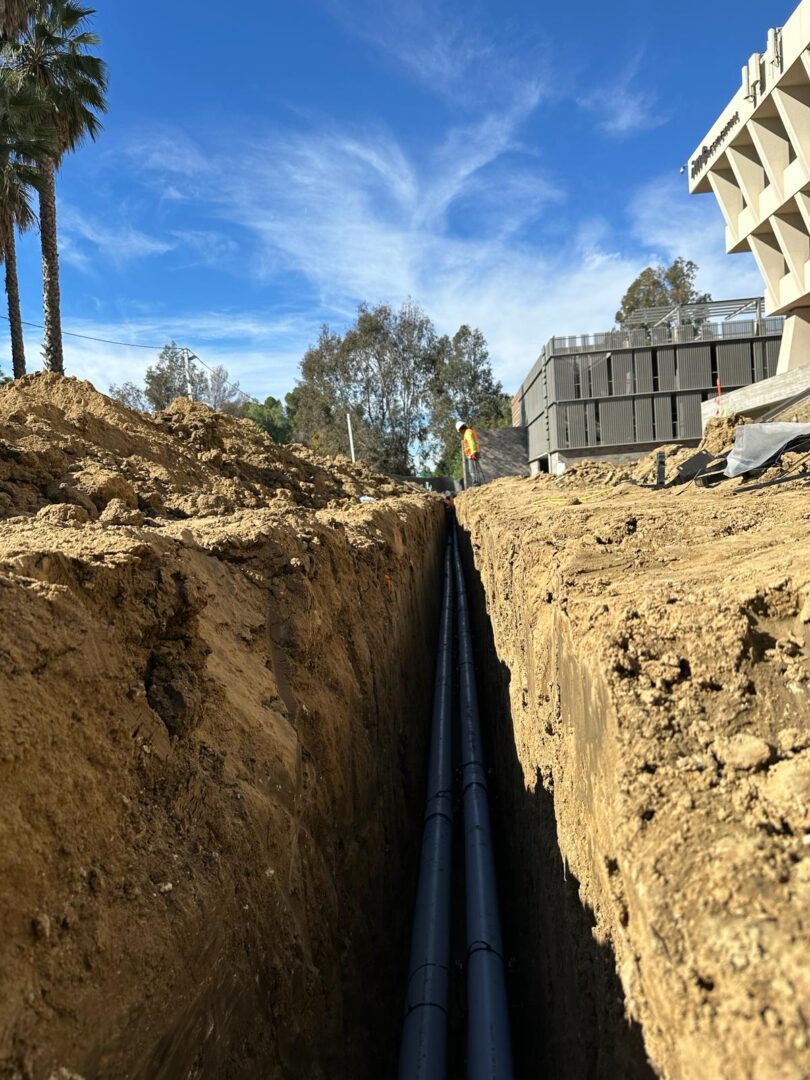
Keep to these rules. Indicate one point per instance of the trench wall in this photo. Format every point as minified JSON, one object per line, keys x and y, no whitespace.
{"x":212,"y":743}
{"x":645,"y":686}
{"x":552,"y":811}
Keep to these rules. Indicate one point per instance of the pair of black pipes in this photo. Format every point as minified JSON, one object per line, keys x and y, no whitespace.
{"x":424,"y":1048}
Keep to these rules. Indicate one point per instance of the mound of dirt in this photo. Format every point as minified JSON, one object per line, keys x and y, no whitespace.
{"x":717,"y":439}
{"x":215,"y":676}
{"x":62,"y":442}
{"x":652,"y":754}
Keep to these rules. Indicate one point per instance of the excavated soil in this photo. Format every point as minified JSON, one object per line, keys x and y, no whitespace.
{"x":215,"y":674}
{"x":647,"y":685}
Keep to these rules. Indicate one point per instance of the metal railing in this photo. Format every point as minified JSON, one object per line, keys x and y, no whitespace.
{"x":665,"y":335}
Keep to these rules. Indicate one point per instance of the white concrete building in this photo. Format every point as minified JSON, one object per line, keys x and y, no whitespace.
{"x":756,"y":160}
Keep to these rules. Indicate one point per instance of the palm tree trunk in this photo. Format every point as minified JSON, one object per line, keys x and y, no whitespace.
{"x":52,"y":345}
{"x":14,"y":315}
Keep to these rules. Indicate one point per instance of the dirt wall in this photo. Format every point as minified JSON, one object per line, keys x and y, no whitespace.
{"x":647,"y":689}
{"x":215,"y":680}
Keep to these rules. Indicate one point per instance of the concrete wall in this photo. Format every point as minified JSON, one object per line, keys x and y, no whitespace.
{"x":756,"y":161}
{"x":761,"y":397}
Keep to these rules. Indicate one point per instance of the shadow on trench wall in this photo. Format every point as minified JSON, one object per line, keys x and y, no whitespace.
{"x":566,"y":999}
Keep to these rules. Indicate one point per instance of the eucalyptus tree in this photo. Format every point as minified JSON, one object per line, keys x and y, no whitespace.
{"x":52,"y":56}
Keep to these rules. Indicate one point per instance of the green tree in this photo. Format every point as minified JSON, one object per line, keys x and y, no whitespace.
{"x":463,"y":388}
{"x":271,"y":417}
{"x":322,"y":401}
{"x":131,"y":395}
{"x":291,"y":407}
{"x":662,"y":286}
{"x":52,"y":56}
{"x":380,"y":372}
{"x":174,"y":375}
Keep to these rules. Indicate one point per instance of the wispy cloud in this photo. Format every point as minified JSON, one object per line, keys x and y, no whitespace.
{"x":261,"y":352}
{"x":119,"y":244}
{"x":667,"y":222}
{"x":622,"y":106}
{"x":358,"y":218}
{"x":460,"y":227}
{"x":204,"y":247}
{"x":443,"y":47}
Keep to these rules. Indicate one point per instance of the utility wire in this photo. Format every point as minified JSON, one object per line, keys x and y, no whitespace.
{"x":152,"y":348}
{"x":87,"y":337}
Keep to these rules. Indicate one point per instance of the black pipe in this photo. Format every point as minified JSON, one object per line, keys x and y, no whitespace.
{"x":489,"y":1045}
{"x":423,"y":1053}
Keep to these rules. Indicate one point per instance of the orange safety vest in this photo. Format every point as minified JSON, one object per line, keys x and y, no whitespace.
{"x":470,"y":443}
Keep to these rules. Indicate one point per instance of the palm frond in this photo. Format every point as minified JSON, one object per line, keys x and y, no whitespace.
{"x":52,"y":57}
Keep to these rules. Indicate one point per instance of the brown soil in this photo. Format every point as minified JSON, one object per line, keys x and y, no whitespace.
{"x":215,"y":666}
{"x":717,"y":439}
{"x":646,"y":655}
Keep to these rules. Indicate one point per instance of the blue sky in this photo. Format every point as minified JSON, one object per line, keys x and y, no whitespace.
{"x":507,"y":164}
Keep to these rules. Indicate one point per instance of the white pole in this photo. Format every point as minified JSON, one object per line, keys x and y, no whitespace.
{"x":187,"y":366}
{"x":351,"y":436}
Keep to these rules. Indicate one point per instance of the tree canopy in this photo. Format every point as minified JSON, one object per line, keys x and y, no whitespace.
{"x":178,"y":374}
{"x":464,"y":388}
{"x":403,"y":386}
{"x":662,"y":286}
{"x":276,"y":418}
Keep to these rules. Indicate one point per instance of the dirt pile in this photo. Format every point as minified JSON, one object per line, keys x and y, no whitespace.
{"x":653,"y":758}
{"x":717,"y":439}
{"x":215,"y":669}
{"x":61,"y":442}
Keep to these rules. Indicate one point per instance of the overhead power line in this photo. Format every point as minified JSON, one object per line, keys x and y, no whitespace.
{"x":88,"y":337}
{"x":152,"y":348}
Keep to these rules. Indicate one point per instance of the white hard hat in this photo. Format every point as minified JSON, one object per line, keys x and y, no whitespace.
{"x":460,"y":424}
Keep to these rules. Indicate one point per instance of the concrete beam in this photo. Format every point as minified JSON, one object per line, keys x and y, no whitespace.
{"x":761,"y":396}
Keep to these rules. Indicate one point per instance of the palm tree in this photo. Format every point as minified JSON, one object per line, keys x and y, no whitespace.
{"x":23,"y":142}
{"x":13,"y":16}
{"x":50,"y":57}
{"x":16,"y":213}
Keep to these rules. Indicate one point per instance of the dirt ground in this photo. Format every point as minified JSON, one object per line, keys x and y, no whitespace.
{"x":646,"y":656}
{"x":215,"y":665}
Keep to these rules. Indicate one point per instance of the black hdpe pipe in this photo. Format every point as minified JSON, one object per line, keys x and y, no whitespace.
{"x":423,"y":1052}
{"x":489,"y":1044}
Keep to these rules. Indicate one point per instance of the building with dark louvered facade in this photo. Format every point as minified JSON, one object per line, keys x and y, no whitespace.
{"x":620,"y":394}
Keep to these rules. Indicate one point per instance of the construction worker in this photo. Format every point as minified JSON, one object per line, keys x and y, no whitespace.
{"x":472,"y":452}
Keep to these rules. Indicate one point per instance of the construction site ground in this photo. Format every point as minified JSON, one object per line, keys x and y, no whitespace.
{"x":648,"y":694}
{"x":216,"y":668}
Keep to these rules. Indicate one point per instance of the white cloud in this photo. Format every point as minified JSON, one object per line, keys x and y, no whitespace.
{"x":204,"y":247}
{"x":622,"y":107}
{"x":669,"y":222}
{"x":118,"y":244}
{"x":444,"y":49}
{"x":358,"y":218}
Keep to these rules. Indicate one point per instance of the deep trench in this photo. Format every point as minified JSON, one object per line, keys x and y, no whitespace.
{"x":566,"y":1002}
